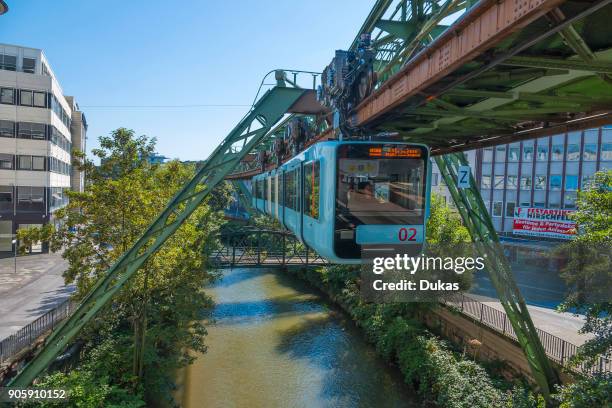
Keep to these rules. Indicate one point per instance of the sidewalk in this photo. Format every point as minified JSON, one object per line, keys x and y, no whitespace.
{"x":562,"y":325}
{"x":37,"y":287}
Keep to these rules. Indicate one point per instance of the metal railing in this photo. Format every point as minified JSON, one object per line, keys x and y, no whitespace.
{"x":254,"y":247}
{"x":27,"y":335}
{"x":557,"y":349}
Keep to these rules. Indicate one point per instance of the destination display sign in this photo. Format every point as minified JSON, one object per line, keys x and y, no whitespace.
{"x":395,"y":151}
{"x":543,"y":222}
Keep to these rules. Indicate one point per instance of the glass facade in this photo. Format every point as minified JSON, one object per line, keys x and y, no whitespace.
{"x":544,"y":173}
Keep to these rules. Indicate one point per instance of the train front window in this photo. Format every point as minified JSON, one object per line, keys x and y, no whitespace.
{"x":377,"y":184}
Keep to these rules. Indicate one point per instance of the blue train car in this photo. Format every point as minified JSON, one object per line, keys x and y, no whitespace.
{"x":338,"y":196}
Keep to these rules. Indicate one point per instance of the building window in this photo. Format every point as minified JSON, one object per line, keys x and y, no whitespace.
{"x":557,"y":152}
{"x":540,"y":182}
{"x":24,"y":130}
{"x":38,"y":131}
{"x":573,"y":152}
{"x":485,"y":182}
{"x":6,"y":236}
{"x":538,"y":205}
{"x":513,"y":153}
{"x":542,"y":152}
{"x":57,"y":198}
{"x":606,"y":151}
{"x":570,"y":202}
{"x":499,"y":182}
{"x":571,"y":182}
{"x":6,"y":161}
{"x":38,"y":162}
{"x":40,"y":99}
{"x":526,"y":204}
{"x":500,"y":154}
{"x":60,"y":140}
{"x":510,"y":209}
{"x":8,"y":62}
{"x":512,"y":182}
{"x":555,"y":182}
{"x":7,"y":96}
{"x":497,"y":208}
{"x":487,"y":155}
{"x":7,"y":128}
{"x":59,"y":111}
{"x":24,"y":162}
{"x":31,"y":131}
{"x":29,"y":65}
{"x":434,"y":179}
{"x":590,"y":152}
{"x":527,"y":153}
{"x":27,"y":194}
{"x":45,"y":70}
{"x":525,"y":182}
{"x":6,"y":198}
{"x":25,"y":98}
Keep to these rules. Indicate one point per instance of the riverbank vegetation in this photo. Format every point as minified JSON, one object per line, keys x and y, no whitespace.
{"x":128,"y":355}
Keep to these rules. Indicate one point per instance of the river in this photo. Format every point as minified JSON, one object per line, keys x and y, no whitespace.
{"x":276,"y":342}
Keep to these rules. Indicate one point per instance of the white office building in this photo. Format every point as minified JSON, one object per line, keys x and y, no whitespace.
{"x":39,"y":127}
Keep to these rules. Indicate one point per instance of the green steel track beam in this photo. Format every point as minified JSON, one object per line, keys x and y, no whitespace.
{"x":268,"y":110}
{"x":602,"y":67}
{"x":524,"y":96}
{"x":476,"y":218}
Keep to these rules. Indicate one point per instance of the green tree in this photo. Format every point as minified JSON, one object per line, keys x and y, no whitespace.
{"x":588,"y":272}
{"x":444,"y":226}
{"x":162,"y":304}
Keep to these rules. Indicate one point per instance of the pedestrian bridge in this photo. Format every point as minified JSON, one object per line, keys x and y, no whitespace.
{"x":256,"y":247}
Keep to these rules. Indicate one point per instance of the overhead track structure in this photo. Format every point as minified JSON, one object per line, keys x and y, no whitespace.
{"x":502,"y":71}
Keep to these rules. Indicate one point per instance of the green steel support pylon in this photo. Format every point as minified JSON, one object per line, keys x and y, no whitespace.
{"x":244,"y":194}
{"x":251,"y":130}
{"x":476,"y":218}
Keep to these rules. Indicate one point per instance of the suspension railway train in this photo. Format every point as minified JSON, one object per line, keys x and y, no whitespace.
{"x":338,"y":196}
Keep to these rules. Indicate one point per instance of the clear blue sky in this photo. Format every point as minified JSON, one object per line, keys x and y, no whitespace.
{"x":177,"y":52}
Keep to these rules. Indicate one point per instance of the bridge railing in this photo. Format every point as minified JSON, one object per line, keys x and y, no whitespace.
{"x":261,"y":247}
{"x":27,"y":335}
{"x":557,"y":349}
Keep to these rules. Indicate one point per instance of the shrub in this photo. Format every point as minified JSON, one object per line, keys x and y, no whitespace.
{"x":586,"y":392}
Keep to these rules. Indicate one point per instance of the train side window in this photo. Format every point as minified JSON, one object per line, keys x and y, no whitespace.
{"x":258,"y":194}
{"x":311,"y":189}
{"x":291,"y":189}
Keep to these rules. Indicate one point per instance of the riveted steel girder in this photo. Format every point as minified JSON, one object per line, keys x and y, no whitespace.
{"x":477,"y":220}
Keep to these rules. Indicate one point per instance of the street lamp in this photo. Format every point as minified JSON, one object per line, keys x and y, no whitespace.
{"x":15,"y":257}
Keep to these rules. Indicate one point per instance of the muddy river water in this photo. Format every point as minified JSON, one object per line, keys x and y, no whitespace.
{"x":276,"y":342}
